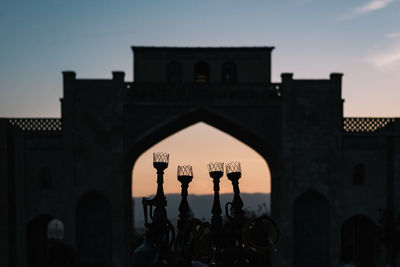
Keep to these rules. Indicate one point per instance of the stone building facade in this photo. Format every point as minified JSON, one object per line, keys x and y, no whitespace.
{"x":330,"y":175}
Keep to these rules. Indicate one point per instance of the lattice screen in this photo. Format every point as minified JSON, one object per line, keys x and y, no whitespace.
{"x":36,"y":124}
{"x":365,"y":124}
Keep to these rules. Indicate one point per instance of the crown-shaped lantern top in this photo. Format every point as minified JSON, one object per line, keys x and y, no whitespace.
{"x":233,"y":167}
{"x":216,"y":169}
{"x":160,"y":160}
{"x":185,"y":170}
{"x":233,"y":170}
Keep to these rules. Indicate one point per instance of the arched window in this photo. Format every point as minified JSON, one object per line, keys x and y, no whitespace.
{"x":46,"y":182}
{"x":55,"y":230}
{"x":228,"y":72}
{"x":358,"y":174}
{"x":174,"y":72}
{"x":201,"y":72}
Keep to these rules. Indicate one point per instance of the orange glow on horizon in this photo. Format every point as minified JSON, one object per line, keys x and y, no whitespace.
{"x":198,"y":145}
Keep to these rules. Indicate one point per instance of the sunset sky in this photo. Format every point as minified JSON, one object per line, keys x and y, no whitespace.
{"x":198,"y":145}
{"x":312,"y":38}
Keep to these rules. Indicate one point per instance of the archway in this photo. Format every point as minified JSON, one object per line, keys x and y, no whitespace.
{"x":256,"y":142}
{"x":198,"y":145}
{"x":185,"y":119}
{"x":359,"y":241}
{"x":311,"y":230}
{"x":93,"y":229}
{"x":37,"y":240}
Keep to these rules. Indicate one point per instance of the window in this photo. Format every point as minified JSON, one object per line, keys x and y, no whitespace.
{"x":228,"y":72}
{"x":201,"y":72}
{"x":174,"y":72}
{"x":55,"y":230}
{"x":46,"y":182}
{"x":358,"y":174}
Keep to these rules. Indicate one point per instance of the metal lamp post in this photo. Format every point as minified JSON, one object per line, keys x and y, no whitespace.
{"x":185,"y":176}
{"x":234,"y":172}
{"x":216,"y":171}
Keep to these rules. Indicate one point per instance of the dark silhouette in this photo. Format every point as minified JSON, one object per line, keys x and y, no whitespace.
{"x":314,"y":155}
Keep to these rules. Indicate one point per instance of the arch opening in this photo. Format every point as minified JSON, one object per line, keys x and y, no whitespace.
{"x":42,"y":233}
{"x":311,"y":230}
{"x":37,"y":240}
{"x":228,"y":74}
{"x":182,"y":121}
{"x":359,"y":241}
{"x":225,"y":127}
{"x":93,"y":230}
{"x":201,"y":72}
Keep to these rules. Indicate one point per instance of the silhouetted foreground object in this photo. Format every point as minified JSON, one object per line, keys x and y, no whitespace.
{"x":185,"y":176}
{"x":325,"y":168}
{"x":239,"y":241}
{"x":160,"y":233}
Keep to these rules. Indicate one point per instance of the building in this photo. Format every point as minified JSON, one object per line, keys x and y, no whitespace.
{"x":330,"y":175}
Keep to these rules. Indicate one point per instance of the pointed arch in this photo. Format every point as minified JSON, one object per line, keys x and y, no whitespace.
{"x":36,"y":240}
{"x":311,"y":229}
{"x":359,"y":238}
{"x":93,"y":230}
{"x":228,"y":73}
{"x":201,"y":72}
{"x":214,"y":119}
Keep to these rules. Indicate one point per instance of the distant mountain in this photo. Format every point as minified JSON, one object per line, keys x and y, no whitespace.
{"x":201,"y":205}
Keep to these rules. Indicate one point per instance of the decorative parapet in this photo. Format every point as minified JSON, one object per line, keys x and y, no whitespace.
{"x":365,"y":125}
{"x":37,"y":124}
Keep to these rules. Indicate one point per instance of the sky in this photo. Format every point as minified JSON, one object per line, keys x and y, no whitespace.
{"x":199,"y":145}
{"x":312,"y":38}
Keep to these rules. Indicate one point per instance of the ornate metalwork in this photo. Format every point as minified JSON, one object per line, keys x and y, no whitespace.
{"x":363,"y":125}
{"x":37,"y":124}
{"x":240,"y":241}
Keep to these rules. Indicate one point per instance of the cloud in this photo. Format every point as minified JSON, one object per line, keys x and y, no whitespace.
{"x":386,"y":59}
{"x":393,"y":35}
{"x":367,"y":8}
